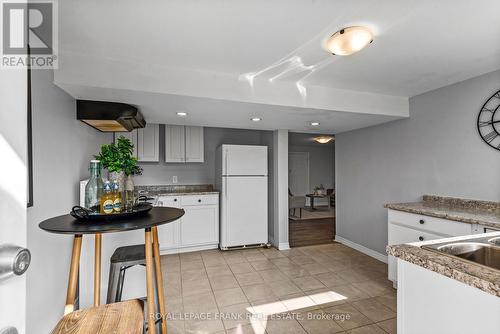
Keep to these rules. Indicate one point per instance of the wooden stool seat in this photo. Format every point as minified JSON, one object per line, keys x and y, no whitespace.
{"x":121,"y":318}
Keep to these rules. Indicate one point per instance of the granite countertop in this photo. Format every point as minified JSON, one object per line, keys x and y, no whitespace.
{"x":470,"y":273}
{"x":463,"y":210}
{"x":176,"y":190}
{"x":185,"y":193}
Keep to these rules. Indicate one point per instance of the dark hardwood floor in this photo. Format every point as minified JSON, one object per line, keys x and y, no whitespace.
{"x":311,"y":231}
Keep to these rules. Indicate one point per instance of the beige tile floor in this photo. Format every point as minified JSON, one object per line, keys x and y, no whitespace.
{"x":316,"y":289}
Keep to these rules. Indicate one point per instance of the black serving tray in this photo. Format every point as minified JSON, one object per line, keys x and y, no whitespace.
{"x":84,"y":215}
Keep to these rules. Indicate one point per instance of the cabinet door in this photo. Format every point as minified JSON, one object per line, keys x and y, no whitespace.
{"x":168,"y":234}
{"x":199,"y":225}
{"x":194,"y":144}
{"x":402,"y":235}
{"x":132,"y":136}
{"x":175,"y":150}
{"x":148,"y":143}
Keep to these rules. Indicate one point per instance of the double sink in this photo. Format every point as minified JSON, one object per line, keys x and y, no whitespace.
{"x":483,"y":251}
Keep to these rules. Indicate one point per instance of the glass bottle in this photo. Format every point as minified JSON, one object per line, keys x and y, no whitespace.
{"x":129,"y":193}
{"x":107,"y":199}
{"x":117,"y":196}
{"x":93,"y":189}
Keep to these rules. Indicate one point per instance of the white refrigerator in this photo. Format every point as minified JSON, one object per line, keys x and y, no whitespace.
{"x":242,"y":180}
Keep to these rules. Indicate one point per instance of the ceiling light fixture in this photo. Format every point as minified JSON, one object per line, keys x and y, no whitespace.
{"x":256,"y":119}
{"x":314,"y":123}
{"x":349,"y":40}
{"x":324,"y":139}
{"x":181,"y":113}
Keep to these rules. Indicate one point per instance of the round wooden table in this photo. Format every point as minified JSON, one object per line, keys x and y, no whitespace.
{"x":66,"y":224}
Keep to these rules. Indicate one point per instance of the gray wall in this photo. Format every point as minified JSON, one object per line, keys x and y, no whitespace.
{"x":198,"y":173}
{"x":62,"y":148}
{"x":436,"y":151}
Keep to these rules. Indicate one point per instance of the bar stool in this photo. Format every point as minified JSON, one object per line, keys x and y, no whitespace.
{"x":122,"y":259}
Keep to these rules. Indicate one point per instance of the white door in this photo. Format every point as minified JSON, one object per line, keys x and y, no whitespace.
{"x":245,"y":211}
{"x":13,"y":192}
{"x":298,"y":173}
{"x":244,"y":160}
{"x":175,"y":149}
{"x":194,"y":144}
{"x":148,"y":143}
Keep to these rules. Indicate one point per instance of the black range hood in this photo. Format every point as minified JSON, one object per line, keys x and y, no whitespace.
{"x":109,"y":116}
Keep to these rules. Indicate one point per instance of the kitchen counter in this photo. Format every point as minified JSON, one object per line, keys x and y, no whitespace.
{"x":462,"y":210}
{"x":475,"y":275}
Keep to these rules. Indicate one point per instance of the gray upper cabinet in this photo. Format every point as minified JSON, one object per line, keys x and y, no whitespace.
{"x":184,"y":143}
{"x":148,"y":143}
{"x":194,"y":144}
{"x":174,"y":143}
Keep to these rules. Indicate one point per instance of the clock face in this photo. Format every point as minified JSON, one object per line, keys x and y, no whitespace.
{"x":488,"y":121}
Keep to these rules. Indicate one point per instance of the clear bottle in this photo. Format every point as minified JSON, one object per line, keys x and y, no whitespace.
{"x":107,"y":199}
{"x":117,"y":196}
{"x":93,"y":189}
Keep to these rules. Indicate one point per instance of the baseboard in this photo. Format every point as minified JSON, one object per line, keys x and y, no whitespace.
{"x":283,"y":246}
{"x":362,"y":249}
{"x":165,"y":251}
{"x":271,"y":241}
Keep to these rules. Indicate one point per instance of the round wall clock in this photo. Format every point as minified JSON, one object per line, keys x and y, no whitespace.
{"x":488,"y":121}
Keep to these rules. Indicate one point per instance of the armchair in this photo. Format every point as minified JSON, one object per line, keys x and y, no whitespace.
{"x":296,"y":202}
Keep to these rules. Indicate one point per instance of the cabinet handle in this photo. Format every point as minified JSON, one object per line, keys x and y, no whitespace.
{"x":199,"y":201}
{"x":421,"y":238}
{"x":175,"y":199}
{"x":421,"y":221}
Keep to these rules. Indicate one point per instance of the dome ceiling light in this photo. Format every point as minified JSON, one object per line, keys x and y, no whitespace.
{"x":349,"y":40}
{"x":324,"y":139}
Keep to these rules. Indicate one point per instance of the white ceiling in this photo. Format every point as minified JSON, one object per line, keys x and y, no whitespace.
{"x":174,"y":48}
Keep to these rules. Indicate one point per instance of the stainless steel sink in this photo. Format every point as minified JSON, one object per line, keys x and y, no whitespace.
{"x":495,"y":241}
{"x":479,"y":251}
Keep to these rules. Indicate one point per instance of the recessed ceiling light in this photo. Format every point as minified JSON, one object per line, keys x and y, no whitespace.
{"x":314,"y":123}
{"x":349,"y":40}
{"x":256,"y":119}
{"x":324,"y":139}
{"x":181,"y":113}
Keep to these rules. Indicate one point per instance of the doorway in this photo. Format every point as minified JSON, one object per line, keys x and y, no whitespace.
{"x":311,"y":175}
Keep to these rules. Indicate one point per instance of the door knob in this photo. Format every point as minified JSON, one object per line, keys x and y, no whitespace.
{"x":9,"y":330}
{"x":14,"y":261}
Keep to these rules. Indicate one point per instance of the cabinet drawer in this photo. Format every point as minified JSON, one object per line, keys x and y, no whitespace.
{"x":430,"y":224}
{"x":199,"y":200}
{"x":171,"y":201}
{"x":403,"y":235}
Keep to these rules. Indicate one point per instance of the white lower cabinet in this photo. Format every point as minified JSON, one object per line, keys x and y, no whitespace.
{"x":199,"y":227}
{"x":408,"y":227}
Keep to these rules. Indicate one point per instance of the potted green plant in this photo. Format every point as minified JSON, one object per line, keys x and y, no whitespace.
{"x":319,"y":190}
{"x":118,"y":159}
